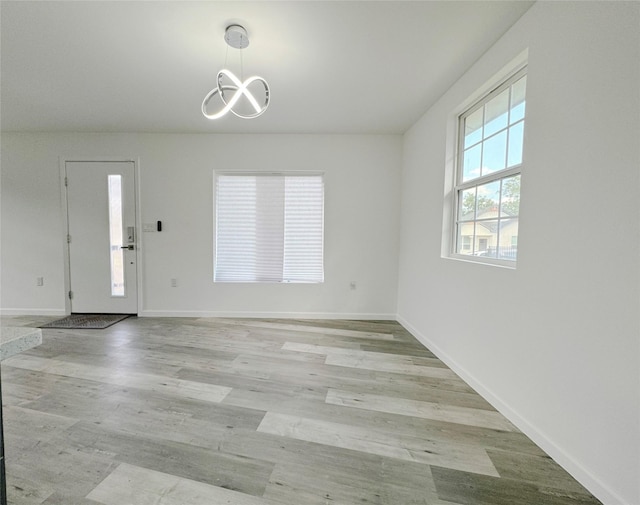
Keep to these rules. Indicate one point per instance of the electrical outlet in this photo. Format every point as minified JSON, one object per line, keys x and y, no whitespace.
{"x":174,"y":283}
{"x":39,"y":281}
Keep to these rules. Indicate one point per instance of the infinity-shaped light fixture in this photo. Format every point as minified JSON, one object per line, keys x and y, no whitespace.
{"x":230,"y":89}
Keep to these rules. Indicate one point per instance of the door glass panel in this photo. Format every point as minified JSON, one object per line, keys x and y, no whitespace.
{"x":115,"y":235}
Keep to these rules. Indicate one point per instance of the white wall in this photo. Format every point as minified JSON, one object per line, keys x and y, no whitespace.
{"x":554,"y":343}
{"x":176,"y":174}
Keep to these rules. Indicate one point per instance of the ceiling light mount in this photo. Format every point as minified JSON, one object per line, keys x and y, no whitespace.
{"x":236,"y":95}
{"x":236,"y":36}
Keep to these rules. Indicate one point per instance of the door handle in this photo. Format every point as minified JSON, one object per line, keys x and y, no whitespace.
{"x":130,"y":247}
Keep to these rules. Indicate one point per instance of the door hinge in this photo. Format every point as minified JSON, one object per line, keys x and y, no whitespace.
{"x":70,"y":295}
{"x":66,"y":181}
{"x":68,"y":239}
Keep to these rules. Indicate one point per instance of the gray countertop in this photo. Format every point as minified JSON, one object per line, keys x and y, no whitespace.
{"x":15,"y":339}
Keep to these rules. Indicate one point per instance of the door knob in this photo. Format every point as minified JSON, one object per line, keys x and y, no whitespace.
{"x":130,"y":247}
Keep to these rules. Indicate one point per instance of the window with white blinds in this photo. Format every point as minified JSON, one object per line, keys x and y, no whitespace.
{"x":269,"y":227}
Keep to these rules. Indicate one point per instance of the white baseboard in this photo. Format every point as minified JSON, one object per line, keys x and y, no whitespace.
{"x":606,"y":495}
{"x":33,"y":312}
{"x":267,"y":315}
{"x":207,"y":313}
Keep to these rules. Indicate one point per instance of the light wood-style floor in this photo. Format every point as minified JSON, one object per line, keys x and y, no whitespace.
{"x":258,"y":412}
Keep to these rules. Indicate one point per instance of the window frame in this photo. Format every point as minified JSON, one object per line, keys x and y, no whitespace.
{"x":254,"y":173}
{"x":458,"y":186}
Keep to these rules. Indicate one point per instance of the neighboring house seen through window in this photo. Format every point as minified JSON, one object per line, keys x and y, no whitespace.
{"x":487,"y":186}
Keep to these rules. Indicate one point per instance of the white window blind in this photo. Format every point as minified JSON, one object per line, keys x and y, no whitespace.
{"x":269,"y":228}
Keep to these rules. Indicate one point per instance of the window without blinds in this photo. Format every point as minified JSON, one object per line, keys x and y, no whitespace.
{"x":487,"y":188}
{"x":269,"y":228}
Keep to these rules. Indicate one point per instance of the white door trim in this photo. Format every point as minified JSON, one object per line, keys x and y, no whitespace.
{"x":65,"y":220}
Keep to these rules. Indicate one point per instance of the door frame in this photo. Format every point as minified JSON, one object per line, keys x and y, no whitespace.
{"x":65,"y":220}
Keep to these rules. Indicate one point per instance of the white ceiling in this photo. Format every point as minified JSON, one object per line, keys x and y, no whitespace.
{"x":332,"y":66}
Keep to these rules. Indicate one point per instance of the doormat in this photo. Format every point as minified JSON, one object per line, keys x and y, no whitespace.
{"x":87,"y":321}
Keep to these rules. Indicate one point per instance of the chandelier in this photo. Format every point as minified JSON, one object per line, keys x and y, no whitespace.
{"x":236,"y":95}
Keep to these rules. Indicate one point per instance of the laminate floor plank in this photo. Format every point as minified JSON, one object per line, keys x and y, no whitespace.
{"x":381,"y":356}
{"x":473,"y":489}
{"x":240,"y":382}
{"x":262,"y":367}
{"x":65,"y":498}
{"x":535,"y":469}
{"x":155,"y":361}
{"x":79,"y":399}
{"x":369,"y":469}
{"x":308,"y":472}
{"x":25,"y":385}
{"x":168,"y":411}
{"x":46,"y":463}
{"x":18,"y":420}
{"x":389,"y":444}
{"x":394,"y":377}
{"x":380,"y":365}
{"x":196,"y":390}
{"x":414,"y":408}
{"x":437,"y":431}
{"x":424,"y":388}
{"x":171,"y":426}
{"x":314,"y":328}
{"x":243,"y":474}
{"x":26,"y":488}
{"x":132,"y":485}
{"x":303,"y":484}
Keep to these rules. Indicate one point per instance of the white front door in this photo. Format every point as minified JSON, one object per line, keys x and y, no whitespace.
{"x":102,"y":236}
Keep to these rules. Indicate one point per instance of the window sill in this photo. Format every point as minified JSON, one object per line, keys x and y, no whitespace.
{"x":507,"y":264}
